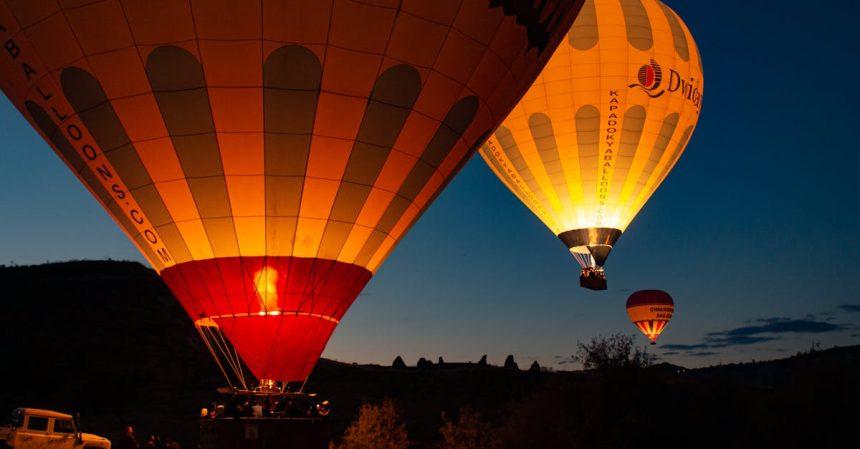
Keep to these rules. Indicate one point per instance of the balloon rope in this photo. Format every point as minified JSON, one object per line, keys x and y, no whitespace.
{"x":222,"y":349}
{"x":235,"y":362}
{"x":214,"y":355}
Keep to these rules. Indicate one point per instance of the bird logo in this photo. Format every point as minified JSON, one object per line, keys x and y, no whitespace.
{"x":649,"y":77}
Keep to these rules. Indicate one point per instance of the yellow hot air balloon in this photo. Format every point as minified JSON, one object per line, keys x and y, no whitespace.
{"x":602,"y":125}
{"x":266,"y":156}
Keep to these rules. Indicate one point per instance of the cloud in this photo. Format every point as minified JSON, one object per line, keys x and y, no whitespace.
{"x":772,"y":319}
{"x":682,"y":347}
{"x":780,"y":326}
{"x":724,"y":341}
{"x":768,"y":329}
{"x":850,"y":308}
{"x":701,"y":353}
{"x":564,"y":360}
{"x":755,"y":331}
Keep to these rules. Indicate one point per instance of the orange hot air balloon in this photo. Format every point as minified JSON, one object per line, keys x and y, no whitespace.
{"x":650,"y":311}
{"x":266,"y":156}
{"x":602,"y":125}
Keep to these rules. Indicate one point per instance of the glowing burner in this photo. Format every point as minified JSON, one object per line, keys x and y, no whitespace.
{"x":265,"y":282}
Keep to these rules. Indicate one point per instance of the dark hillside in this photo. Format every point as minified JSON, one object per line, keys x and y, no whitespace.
{"x":103,"y":338}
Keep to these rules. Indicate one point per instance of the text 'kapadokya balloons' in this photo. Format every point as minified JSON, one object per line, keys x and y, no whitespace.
{"x":650,"y":311}
{"x":266,"y":156}
{"x":602,"y":125}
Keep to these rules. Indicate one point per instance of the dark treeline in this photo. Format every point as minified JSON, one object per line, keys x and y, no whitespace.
{"x":108,"y":340}
{"x":808,"y":400}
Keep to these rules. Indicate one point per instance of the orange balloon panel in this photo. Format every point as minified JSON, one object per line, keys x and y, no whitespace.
{"x":603,"y":124}
{"x":216,"y":130}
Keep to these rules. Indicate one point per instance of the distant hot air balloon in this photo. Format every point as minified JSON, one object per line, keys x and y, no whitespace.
{"x":650,"y":311}
{"x":266,"y":156}
{"x":602,"y":126}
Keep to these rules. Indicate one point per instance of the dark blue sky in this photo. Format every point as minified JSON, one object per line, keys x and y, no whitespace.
{"x":755,"y":234}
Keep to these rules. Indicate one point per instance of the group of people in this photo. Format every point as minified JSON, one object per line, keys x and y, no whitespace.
{"x":267,"y":407}
{"x":129,"y":441}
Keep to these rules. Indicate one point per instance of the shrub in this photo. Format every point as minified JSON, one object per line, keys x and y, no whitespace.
{"x":376,"y":427}
{"x":613,"y":351}
{"x":468,"y":432}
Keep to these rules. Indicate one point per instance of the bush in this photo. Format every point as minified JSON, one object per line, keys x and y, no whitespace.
{"x":376,"y":427}
{"x":469,"y":432}
{"x":614,"y":351}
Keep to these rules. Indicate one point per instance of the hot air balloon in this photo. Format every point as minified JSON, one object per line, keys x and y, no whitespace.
{"x":266,"y":156}
{"x":650,"y":311}
{"x":602,"y":125}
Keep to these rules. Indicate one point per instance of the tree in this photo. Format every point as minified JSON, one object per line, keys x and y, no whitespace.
{"x":614,"y":351}
{"x":468,"y":432}
{"x":378,"y":426}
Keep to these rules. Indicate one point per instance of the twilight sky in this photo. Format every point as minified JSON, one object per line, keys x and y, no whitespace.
{"x":755,"y":232}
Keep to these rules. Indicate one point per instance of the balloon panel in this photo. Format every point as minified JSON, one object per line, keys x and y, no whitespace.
{"x":651,"y":329}
{"x":278,"y":312}
{"x":651,"y":312}
{"x":605,"y":121}
{"x":226,"y":136}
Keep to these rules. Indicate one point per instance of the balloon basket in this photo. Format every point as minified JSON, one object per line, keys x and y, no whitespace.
{"x":592,"y":280}
{"x":266,"y":418}
{"x":264,"y":433}
{"x":277,"y":404}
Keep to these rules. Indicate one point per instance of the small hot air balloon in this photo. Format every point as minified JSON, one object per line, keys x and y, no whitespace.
{"x":650,"y":311}
{"x":602,"y":125}
{"x":266,"y":156}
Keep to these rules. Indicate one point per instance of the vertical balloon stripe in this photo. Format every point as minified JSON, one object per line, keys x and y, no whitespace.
{"x":678,"y":36}
{"x":584,"y":34}
{"x":698,"y":57}
{"x":676,"y":153}
{"x":291,"y":85}
{"x":638,"y":26}
{"x":508,"y":180}
{"x":456,"y":122}
{"x":547,"y":147}
{"x":512,"y":152}
{"x":631,"y":134}
{"x":177,"y":80}
{"x":50,"y":129}
{"x":390,"y":103}
{"x":587,"y":121}
{"x":86,"y":96}
{"x":656,"y":152}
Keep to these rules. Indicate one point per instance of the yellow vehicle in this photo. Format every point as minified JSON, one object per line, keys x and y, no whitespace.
{"x":33,"y":428}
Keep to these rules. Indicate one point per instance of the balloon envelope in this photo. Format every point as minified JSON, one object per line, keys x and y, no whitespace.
{"x":650,"y":311}
{"x":602,"y":125}
{"x":265,"y":157}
